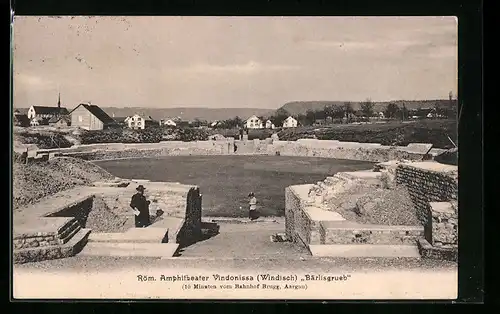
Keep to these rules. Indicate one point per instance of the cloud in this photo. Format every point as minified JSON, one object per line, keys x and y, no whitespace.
{"x":32,"y":81}
{"x":251,"y":67}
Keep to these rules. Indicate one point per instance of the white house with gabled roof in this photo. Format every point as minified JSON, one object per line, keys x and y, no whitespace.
{"x":254,"y":123}
{"x":290,"y":122}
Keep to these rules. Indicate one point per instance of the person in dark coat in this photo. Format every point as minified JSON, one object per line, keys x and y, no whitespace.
{"x":252,"y":203}
{"x":140,"y":206}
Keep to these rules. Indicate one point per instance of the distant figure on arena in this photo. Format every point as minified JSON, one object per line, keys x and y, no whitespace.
{"x":252,"y":202}
{"x":140,"y":206}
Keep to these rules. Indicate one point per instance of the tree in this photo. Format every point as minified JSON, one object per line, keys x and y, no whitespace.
{"x":391,"y":111}
{"x":329,"y":111}
{"x":348,"y":110}
{"x":338,"y":112}
{"x":310,"y":117}
{"x":404,"y":112}
{"x":302,"y":120}
{"x":367,"y":108}
{"x":319,"y":114}
{"x":279,"y":116}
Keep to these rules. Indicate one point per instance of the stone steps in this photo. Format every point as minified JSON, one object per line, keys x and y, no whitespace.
{"x":364,"y":250}
{"x":164,"y":230}
{"x":130,"y":249}
{"x":70,"y":248}
{"x":66,"y":232}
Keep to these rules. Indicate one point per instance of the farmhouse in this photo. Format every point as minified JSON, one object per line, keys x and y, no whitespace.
{"x":168,"y":122}
{"x":90,"y":117}
{"x":253,"y":123}
{"x":290,"y":122}
{"x":269,"y":124}
{"x":140,"y":122}
{"x":60,"y":121}
{"x":44,"y":112}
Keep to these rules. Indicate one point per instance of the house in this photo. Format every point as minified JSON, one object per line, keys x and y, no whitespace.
{"x":290,"y":122}
{"x":91,"y":117}
{"x":168,"y":122}
{"x":253,"y":123}
{"x":60,"y":121}
{"x":21,"y":119}
{"x":269,"y":124}
{"x":140,"y":122}
{"x":46,"y":112}
{"x":37,"y":121}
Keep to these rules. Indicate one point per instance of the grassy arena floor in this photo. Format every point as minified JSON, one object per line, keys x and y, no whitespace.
{"x":225,"y":181}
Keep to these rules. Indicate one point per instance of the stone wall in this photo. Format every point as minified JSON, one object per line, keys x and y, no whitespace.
{"x":43,"y":239}
{"x":302,"y":147}
{"x":342,"y":150}
{"x":370,"y":234}
{"x":444,"y":224}
{"x":428,"y":182}
{"x":191,"y":230}
{"x":298,"y":225}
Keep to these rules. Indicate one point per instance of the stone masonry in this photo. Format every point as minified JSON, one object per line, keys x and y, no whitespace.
{"x":429,"y":182}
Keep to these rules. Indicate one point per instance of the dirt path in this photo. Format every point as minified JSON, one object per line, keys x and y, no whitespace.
{"x":240,"y":240}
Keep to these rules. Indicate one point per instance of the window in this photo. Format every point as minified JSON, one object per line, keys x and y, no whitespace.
{"x":80,"y":119}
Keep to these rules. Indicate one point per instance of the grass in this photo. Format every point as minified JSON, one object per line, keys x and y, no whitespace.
{"x":392,"y":133}
{"x":225,"y":181}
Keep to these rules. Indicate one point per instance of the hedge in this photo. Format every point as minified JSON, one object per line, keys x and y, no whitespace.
{"x":151,"y":135}
{"x":45,"y":141}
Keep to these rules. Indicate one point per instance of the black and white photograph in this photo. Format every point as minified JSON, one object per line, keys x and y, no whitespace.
{"x":235,"y":157}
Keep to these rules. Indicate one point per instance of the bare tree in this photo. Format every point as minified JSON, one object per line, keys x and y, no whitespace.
{"x":348,"y":110}
{"x":367,"y":108}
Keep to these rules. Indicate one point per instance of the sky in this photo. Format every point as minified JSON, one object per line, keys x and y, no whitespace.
{"x":231,"y":62}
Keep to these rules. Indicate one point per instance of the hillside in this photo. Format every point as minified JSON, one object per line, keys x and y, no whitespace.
{"x":187,"y":113}
{"x":301,"y":107}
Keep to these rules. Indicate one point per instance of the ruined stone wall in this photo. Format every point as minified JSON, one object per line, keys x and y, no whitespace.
{"x":372,"y":235}
{"x":444,"y":221}
{"x":342,"y":150}
{"x":298,"y":225}
{"x":191,"y":229}
{"x":425,"y":186}
{"x":303,"y":147}
{"x":117,"y":150}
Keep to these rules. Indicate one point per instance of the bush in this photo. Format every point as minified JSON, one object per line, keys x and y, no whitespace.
{"x":19,"y":158}
{"x":152,"y":135}
{"x":190,"y":134}
{"x":45,"y":141}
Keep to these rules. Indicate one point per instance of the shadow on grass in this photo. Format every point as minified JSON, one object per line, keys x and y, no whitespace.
{"x":208,"y":230}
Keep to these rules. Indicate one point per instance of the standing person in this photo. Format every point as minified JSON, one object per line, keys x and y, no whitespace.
{"x":140,"y":206}
{"x":252,"y":202}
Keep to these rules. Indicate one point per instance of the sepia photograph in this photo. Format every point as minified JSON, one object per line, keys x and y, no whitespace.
{"x":235,"y":157}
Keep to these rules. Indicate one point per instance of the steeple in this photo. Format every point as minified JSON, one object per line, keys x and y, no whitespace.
{"x":59,"y":101}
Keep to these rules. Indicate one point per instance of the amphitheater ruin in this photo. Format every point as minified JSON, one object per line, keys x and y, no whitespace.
{"x":56,"y":227}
